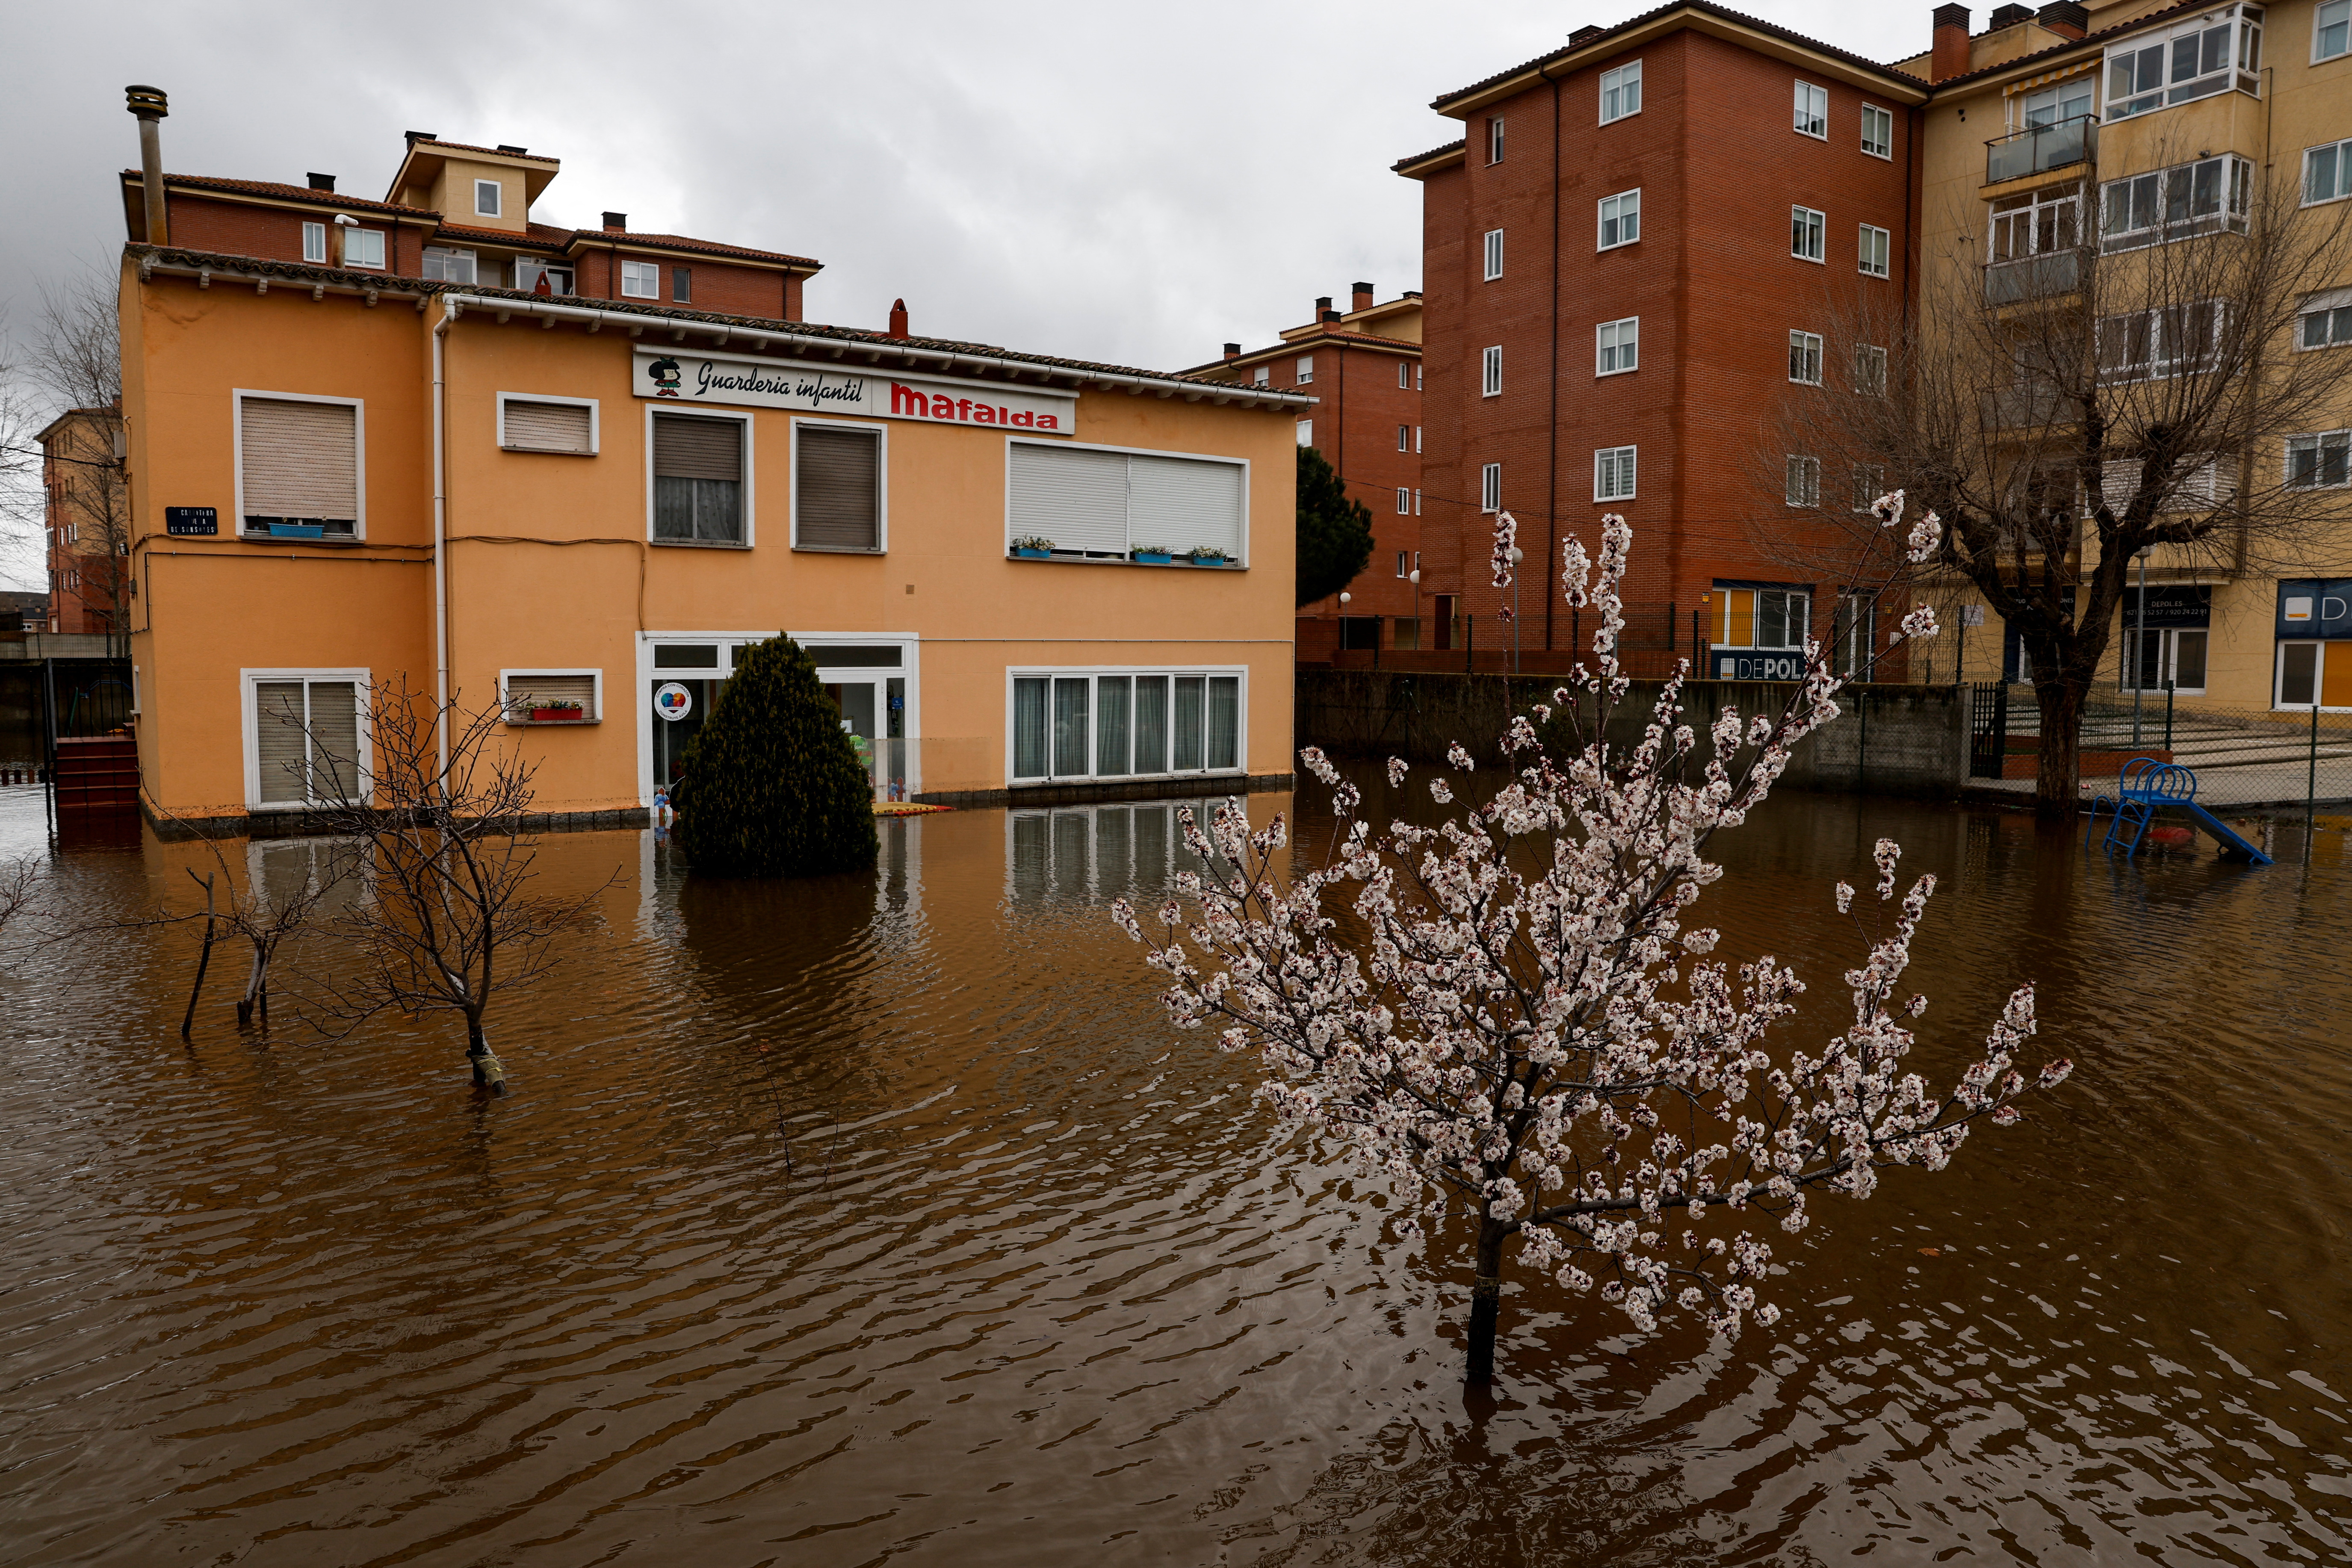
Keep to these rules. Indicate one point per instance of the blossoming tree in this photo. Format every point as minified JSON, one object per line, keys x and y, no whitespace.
{"x":1523,"y":1027}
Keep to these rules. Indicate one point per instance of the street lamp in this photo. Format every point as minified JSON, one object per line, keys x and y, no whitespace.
{"x":1517,"y":555}
{"x":1419,"y":641}
{"x":2139,"y":635}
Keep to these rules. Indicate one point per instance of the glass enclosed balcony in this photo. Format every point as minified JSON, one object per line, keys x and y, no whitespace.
{"x":2038,"y":149}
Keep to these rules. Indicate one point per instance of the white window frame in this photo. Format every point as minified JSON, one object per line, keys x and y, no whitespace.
{"x":1801,"y":482}
{"x":1872,"y":385}
{"x":2232,"y":76}
{"x":1815,"y":227}
{"x":1886,"y":238}
{"x":1262,"y":377}
{"x":1869,"y":484}
{"x":1401,"y":557}
{"x":380,"y":239}
{"x":450,"y":251}
{"x":1619,"y":85}
{"x":2318,"y":439}
{"x":911,"y":669}
{"x":1887,"y":118}
{"x":1493,"y":139}
{"x":1306,"y":371}
{"x":1490,"y":488}
{"x":595,"y":428}
{"x":1807,"y":95}
{"x":1245,"y":465}
{"x":498,"y":198}
{"x":314,"y":244}
{"x":1628,"y":335}
{"x":2331,"y":304}
{"x":2319,"y":24}
{"x":648,"y":272}
{"x":1805,"y":353}
{"x":881,"y":480}
{"x":1090,"y":673}
{"x":1619,"y":454}
{"x":1490,"y":370}
{"x":1404,"y":501}
{"x":1305,"y":430}
{"x":750,"y":512}
{"x":237,"y":395}
{"x":1404,"y":375}
{"x":1599,"y":217}
{"x":595,"y":697}
{"x":249,"y":727}
{"x":1494,"y":254}
{"x":2166,"y":361}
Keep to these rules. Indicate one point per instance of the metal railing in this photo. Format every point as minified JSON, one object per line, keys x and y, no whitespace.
{"x":2038,"y":149}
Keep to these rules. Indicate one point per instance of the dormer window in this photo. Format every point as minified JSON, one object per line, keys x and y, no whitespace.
{"x":486,"y":198}
{"x":448,"y":265}
{"x":640,"y":280}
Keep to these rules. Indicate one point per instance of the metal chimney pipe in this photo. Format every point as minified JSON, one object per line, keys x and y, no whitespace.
{"x":149,"y":105}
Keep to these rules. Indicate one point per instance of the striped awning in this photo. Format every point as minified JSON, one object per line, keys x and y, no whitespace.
{"x":2080,"y":68}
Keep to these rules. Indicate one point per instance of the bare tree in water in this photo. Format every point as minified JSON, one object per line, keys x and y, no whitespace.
{"x":2124,"y":361}
{"x":445,"y":919}
{"x":261,"y":918}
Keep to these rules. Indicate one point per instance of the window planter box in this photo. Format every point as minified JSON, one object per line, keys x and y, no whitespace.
{"x":1152,"y":557}
{"x":559,"y":715}
{"x":1220,"y":561}
{"x":297,"y":530}
{"x":1034,"y":554}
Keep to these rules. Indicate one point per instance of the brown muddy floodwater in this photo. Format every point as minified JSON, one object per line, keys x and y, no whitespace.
{"x":1027,"y":1279}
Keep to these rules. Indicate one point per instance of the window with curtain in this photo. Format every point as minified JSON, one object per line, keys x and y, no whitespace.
{"x":697,"y":479}
{"x":1081,"y":724}
{"x":1070,"y":726}
{"x":1029,"y":755}
{"x":1113,"y":696}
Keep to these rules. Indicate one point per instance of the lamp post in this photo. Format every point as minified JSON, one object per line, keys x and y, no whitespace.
{"x":1517,"y":555}
{"x":1418,"y":641}
{"x":2139,"y":635}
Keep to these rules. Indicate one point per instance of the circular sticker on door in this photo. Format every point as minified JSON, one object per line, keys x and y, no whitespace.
{"x":672,"y":700}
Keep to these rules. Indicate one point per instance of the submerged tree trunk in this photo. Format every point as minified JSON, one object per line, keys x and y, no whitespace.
{"x":1486,"y":1304}
{"x":488,"y":1073}
{"x":2057,"y":779}
{"x":256,"y":989}
{"x":204,"y":962}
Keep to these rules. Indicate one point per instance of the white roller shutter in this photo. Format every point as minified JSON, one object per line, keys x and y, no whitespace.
{"x":525,"y":692}
{"x":2211,"y":485}
{"x":1186,"y":503}
{"x":279,"y":741}
{"x":302,"y":460}
{"x":548,"y":426}
{"x":1072,"y":496}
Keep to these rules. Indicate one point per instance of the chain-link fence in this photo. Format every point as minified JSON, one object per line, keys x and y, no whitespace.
{"x":2243,"y":755}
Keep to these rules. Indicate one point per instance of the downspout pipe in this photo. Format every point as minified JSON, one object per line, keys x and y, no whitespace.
{"x":450,"y":309}
{"x":149,"y":105}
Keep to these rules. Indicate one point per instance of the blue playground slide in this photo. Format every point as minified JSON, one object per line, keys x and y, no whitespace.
{"x":2148,"y":785}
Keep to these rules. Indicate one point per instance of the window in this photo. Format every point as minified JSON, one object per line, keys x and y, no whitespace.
{"x":1875,"y":245}
{"x":1490,"y":488}
{"x":2069,"y":100}
{"x":1494,"y":139}
{"x":1416,"y":438}
{"x":1416,"y":504}
{"x":548,"y":425}
{"x":1070,"y":724}
{"x":1806,"y":230}
{"x":1404,"y":376}
{"x":1869,"y":484}
{"x":1262,"y":377}
{"x":1805,"y":358}
{"x":314,"y":243}
{"x":572,"y":692}
{"x":1870,"y":370}
{"x":2331,"y":31}
{"x":1494,"y":254}
{"x":1803,"y":485}
{"x":1812,"y":110}
{"x":448,"y":265}
{"x":1617,"y":346}
{"x":1621,"y":92}
{"x":1306,"y":369}
{"x":1401,"y":567}
{"x":1854,"y":635}
{"x":1404,"y":437}
{"x":2177,"y":339}
{"x":699,"y":478}
{"x":363,"y":248}
{"x":1405,"y":499}
{"x":2319,"y":462}
{"x":299,"y":464}
{"x":1105,"y":502}
{"x":1490,"y":372}
{"x":681,"y":285}
{"x":2326,"y":321}
{"x":2180,"y":202}
{"x":1306,"y":432}
{"x":1620,"y":219}
{"x":2203,"y":486}
{"x":530,"y":275}
{"x":1758,"y":617}
{"x":486,"y":198}
{"x":2327,"y":172}
{"x":1612,"y":473}
{"x":640,"y":280}
{"x":838,"y":487}
{"x":1877,"y":130}
{"x":305,"y":745}
{"x":2035,"y":223}
{"x":2189,"y":60}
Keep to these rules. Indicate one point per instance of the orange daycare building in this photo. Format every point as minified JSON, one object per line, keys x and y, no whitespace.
{"x":571,"y":473}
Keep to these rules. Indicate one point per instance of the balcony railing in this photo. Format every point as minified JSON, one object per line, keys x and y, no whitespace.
{"x":2034,"y":277}
{"x":2038,"y":149}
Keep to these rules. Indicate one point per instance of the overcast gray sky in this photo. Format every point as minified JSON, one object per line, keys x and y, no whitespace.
{"x":1134,"y":184}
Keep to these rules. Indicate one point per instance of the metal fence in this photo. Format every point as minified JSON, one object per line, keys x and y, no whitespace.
{"x":2243,"y":755}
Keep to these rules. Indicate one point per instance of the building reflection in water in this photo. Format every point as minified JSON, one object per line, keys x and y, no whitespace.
{"x":1097,"y":853}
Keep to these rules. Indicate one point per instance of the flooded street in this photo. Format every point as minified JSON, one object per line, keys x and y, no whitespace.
{"x":883,"y":1219}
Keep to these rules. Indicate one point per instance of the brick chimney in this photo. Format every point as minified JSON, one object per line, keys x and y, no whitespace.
{"x":1233,"y":350}
{"x":2007,"y":16}
{"x":321,"y":181}
{"x":2066,"y":18}
{"x":1363,"y":292}
{"x":616,"y":222}
{"x":1949,"y":56}
{"x":1322,"y":306}
{"x":897,"y":319}
{"x":1580,"y":33}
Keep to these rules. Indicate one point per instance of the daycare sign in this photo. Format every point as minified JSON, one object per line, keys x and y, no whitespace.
{"x":771,"y":383}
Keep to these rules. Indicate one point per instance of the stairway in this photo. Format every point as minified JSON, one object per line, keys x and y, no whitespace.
{"x":100,"y":775}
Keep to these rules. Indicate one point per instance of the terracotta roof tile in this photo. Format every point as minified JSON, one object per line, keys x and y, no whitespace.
{"x":290,"y":193}
{"x":1461,"y":145}
{"x":710,"y":247}
{"x":1340,"y":336}
{"x":494,"y":152}
{"x":2143,"y":20}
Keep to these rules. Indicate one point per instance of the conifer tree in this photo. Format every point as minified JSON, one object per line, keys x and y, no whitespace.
{"x":773,"y":786}
{"x":1335,"y":534}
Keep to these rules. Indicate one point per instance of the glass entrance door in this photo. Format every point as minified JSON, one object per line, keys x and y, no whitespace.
{"x":874,"y":712}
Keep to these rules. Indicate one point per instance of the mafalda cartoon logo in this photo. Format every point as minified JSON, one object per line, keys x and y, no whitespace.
{"x":665,"y":374}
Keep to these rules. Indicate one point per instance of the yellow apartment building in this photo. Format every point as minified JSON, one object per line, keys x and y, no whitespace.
{"x":570,"y":472}
{"x":2060,"y":130}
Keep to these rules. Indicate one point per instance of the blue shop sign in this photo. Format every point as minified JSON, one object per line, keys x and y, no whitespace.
{"x":1772,"y":664}
{"x":2312,"y":608}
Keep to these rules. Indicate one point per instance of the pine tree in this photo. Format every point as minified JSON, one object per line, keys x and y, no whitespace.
{"x":773,"y":786}
{"x":1335,"y":534}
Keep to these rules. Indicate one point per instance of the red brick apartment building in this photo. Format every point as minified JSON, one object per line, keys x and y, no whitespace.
{"x":1362,"y":366}
{"x":86,"y":523}
{"x":1631,"y":258}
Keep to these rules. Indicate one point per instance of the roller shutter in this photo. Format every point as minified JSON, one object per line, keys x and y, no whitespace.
{"x":1185,"y":503}
{"x":838,"y":488}
{"x":525,"y":692}
{"x":548,"y":426}
{"x":1073,"y":496}
{"x":300,"y":461}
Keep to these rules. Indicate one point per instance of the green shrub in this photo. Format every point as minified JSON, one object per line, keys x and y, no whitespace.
{"x":773,"y":786}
